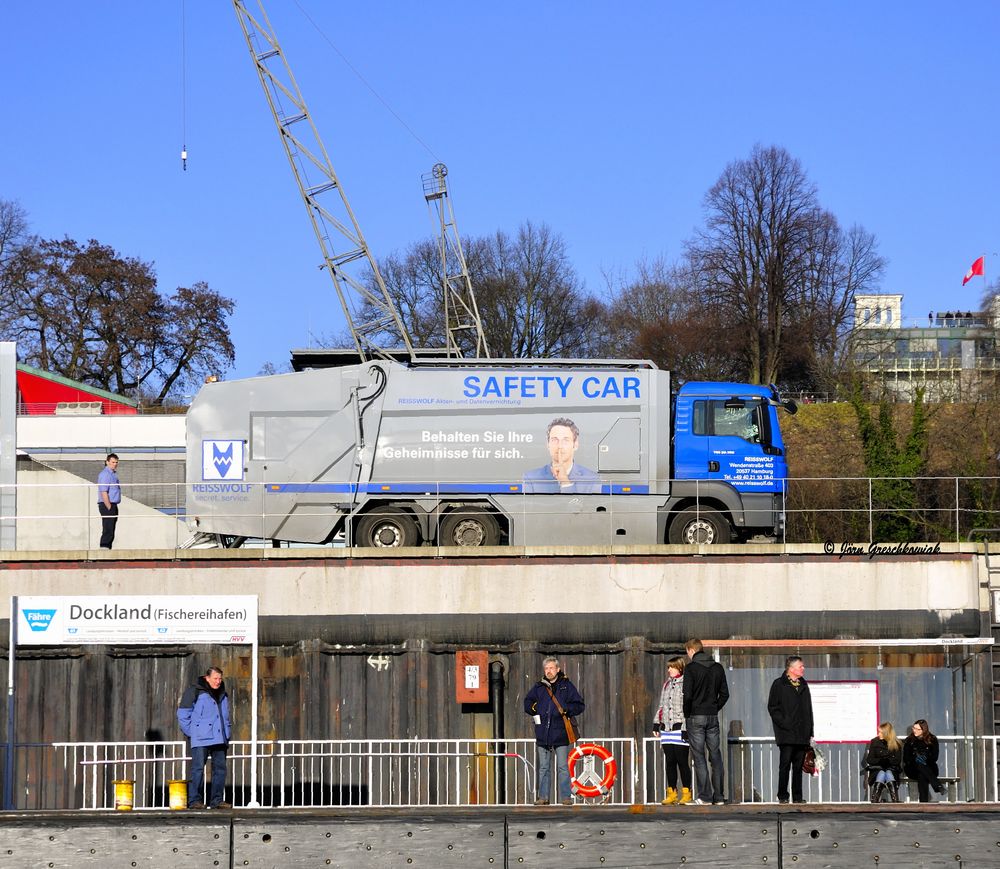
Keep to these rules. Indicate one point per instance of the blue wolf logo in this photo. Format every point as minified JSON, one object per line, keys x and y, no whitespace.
{"x":222,"y":459}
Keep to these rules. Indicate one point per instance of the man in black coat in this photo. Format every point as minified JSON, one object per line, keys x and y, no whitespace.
{"x":705,"y":693}
{"x":792,"y":717}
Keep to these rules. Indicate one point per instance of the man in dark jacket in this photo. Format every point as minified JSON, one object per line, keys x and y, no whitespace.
{"x":203,"y":715}
{"x":705,"y":693}
{"x":543,"y":703}
{"x":792,"y":717}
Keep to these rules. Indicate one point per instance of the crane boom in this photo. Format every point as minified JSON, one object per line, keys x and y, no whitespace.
{"x":370,"y":312}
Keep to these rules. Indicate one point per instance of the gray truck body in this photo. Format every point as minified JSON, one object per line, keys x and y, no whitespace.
{"x":450,"y":452}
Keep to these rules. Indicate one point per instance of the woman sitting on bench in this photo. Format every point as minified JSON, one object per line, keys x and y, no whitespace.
{"x":883,"y":762}
{"x":920,"y":754}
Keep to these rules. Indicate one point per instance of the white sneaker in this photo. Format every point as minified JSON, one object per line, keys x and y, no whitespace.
{"x":699,"y":803}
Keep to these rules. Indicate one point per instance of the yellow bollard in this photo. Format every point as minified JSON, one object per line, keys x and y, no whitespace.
{"x":124,"y":794}
{"x":178,"y":790}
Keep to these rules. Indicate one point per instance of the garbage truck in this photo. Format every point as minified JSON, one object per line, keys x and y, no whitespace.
{"x":456,"y":452}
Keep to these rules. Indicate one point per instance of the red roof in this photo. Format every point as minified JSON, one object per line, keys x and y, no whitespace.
{"x":40,"y":392}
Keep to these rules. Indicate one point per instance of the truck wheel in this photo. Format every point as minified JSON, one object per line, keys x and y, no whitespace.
{"x":703,"y":525}
{"x":386,"y":527}
{"x":469,"y":526}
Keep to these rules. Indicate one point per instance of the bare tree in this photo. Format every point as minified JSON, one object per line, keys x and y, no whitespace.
{"x":657,"y":315}
{"x":841,"y":265}
{"x":14,"y":260}
{"x":750,"y":258}
{"x":13,"y":230}
{"x":90,"y":314}
{"x":530,"y":299}
{"x":415,"y":283}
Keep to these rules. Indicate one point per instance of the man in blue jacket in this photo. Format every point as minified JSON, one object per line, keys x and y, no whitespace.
{"x":543,"y":703}
{"x":203,"y":714}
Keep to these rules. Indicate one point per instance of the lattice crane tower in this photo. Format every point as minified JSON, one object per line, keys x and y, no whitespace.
{"x":461,"y":313}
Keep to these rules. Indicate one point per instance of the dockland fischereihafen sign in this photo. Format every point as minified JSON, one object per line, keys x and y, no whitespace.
{"x":138,"y":619}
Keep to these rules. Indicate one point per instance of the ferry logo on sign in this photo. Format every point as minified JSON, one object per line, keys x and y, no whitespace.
{"x":222,"y":460}
{"x":39,"y":620}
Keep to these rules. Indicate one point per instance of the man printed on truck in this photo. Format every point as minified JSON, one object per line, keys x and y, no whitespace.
{"x":562,"y":474}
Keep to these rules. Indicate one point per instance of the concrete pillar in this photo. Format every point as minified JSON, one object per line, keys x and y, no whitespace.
{"x":8,"y":445}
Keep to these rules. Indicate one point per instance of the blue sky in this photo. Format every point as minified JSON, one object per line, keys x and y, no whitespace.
{"x":609,"y":122}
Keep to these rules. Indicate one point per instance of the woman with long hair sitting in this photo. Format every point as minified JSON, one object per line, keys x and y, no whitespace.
{"x":920,"y":755}
{"x":883,"y":762}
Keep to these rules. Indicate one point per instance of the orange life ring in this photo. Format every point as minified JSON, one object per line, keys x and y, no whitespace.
{"x":589,"y":785}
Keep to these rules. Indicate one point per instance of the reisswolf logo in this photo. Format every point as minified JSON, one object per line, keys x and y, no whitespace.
{"x":222,"y":460}
{"x":39,"y":620}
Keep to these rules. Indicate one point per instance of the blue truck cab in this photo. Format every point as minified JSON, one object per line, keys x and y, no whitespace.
{"x":727,"y":442}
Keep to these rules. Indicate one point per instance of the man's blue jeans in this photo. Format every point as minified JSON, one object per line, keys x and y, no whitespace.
{"x":561,"y":753}
{"x":196,"y":786}
{"x":703,"y":733}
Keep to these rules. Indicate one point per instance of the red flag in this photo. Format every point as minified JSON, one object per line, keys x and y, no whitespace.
{"x":975,"y":269}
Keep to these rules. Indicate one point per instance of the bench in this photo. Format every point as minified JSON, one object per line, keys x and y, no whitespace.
{"x":950,"y":783}
{"x":909,"y":794}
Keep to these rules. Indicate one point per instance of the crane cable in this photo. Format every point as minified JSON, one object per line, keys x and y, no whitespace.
{"x":364,"y":81}
{"x":184,"y":153}
{"x":328,"y":41}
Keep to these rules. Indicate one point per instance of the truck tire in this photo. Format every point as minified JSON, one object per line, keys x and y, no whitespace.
{"x":703,"y":526}
{"x":469,"y":526}
{"x":386,"y":528}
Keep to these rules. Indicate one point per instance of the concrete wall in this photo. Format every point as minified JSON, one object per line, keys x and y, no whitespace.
{"x":102,"y":433}
{"x":58,"y":511}
{"x":350,"y":596}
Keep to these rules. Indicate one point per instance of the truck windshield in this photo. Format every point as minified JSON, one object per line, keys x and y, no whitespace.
{"x":747,"y":421}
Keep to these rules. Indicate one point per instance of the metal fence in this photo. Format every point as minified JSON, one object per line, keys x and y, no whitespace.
{"x":967,"y":764}
{"x":402,"y":773}
{"x":417,"y":773}
{"x":817,"y":510}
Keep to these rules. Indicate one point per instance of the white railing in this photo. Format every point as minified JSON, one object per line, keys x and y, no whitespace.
{"x":968,"y":766}
{"x":460,"y":773}
{"x":93,"y":767}
{"x":400,"y":773}
{"x":61,"y":516}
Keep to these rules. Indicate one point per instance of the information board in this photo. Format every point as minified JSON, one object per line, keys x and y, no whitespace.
{"x":136,"y":619}
{"x":844,"y":711}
